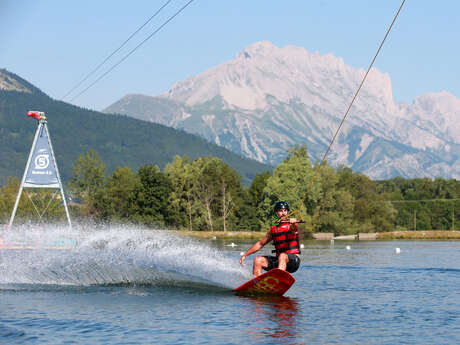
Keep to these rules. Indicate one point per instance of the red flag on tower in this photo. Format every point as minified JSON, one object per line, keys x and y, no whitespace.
{"x":36,"y":114}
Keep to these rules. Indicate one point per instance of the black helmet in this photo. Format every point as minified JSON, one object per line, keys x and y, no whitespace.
{"x":280,"y":205}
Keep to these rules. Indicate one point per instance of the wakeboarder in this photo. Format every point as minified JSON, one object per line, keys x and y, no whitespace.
{"x":285,"y":236}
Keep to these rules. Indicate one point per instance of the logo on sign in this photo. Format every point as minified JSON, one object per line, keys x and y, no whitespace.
{"x":42,"y":161}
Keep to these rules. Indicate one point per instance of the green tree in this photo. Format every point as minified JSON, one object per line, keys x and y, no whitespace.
{"x":207,"y":187}
{"x":256,"y":189}
{"x":114,"y":202}
{"x":182,"y":199}
{"x":230,"y":192}
{"x":371,"y":210}
{"x":291,"y":181}
{"x":251,"y":200}
{"x":35,"y":204}
{"x":120,"y":188}
{"x":429,"y":203}
{"x":334,"y":210}
{"x":4,"y":207}
{"x":7,"y":198}
{"x":151,"y":195}
{"x":88,"y":175}
{"x":217,"y":190}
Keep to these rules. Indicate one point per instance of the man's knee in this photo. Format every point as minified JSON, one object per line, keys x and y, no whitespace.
{"x":283,"y":257}
{"x":260,"y":261}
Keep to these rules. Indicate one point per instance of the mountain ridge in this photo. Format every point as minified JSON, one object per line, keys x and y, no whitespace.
{"x":269,"y":98}
{"x":120,"y":140}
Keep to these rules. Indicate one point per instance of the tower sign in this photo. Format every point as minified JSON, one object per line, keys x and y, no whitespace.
{"x":41,"y":168}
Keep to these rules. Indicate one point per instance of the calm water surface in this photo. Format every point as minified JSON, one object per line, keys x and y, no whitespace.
{"x":130,"y":286}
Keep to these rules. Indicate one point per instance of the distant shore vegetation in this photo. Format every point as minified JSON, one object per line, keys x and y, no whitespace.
{"x":206,"y":194}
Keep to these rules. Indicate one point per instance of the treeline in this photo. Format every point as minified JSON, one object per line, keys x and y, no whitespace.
{"x":423,"y":203}
{"x":207,"y":194}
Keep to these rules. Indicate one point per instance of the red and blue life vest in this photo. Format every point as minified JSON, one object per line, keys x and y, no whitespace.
{"x":285,"y":241}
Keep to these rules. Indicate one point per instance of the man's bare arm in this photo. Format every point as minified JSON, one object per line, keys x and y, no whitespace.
{"x":256,"y":246}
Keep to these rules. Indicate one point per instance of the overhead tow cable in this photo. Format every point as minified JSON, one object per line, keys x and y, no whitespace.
{"x":115,"y":51}
{"x":297,"y":211}
{"x":134,"y":49}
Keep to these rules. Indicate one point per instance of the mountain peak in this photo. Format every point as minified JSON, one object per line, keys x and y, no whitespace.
{"x":433,"y":101}
{"x":289,"y":73}
{"x":438,"y":113}
{"x":261,"y":48}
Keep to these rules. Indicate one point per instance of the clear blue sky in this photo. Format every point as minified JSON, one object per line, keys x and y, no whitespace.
{"x":53,"y":43}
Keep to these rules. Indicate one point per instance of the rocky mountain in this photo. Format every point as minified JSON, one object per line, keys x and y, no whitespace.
{"x":268,"y":98}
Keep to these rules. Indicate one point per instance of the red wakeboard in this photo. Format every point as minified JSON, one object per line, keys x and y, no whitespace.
{"x":273,"y":282}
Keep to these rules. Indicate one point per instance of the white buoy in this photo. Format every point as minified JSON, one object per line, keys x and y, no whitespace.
{"x":398,"y":250}
{"x":302,"y":246}
{"x":348,"y":247}
{"x":231,"y":245}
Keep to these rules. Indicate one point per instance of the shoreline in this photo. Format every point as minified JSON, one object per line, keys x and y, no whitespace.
{"x":378,"y":236}
{"x":224,"y":235}
{"x":420,"y":235}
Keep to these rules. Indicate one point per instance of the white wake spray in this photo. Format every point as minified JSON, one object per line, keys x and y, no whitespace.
{"x":85,"y":256}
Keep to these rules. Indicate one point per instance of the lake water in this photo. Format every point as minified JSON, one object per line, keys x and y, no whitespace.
{"x":132,"y":286}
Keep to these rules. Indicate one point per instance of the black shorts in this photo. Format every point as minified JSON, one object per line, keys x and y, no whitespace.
{"x":292,"y":265}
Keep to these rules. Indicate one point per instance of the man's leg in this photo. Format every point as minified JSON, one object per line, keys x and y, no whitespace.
{"x":259,"y":263}
{"x":283,"y":259}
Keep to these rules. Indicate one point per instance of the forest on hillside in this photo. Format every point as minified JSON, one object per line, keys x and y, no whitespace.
{"x":206,"y":194}
{"x":120,"y":140}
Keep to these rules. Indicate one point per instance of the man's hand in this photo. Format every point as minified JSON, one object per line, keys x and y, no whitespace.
{"x":242,"y":259}
{"x":293,"y":227}
{"x":289,"y":220}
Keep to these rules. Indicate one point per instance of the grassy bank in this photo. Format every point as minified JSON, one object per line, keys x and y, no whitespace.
{"x":420,"y":235}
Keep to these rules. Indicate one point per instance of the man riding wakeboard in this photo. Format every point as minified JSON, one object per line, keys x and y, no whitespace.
{"x":285,"y":236}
